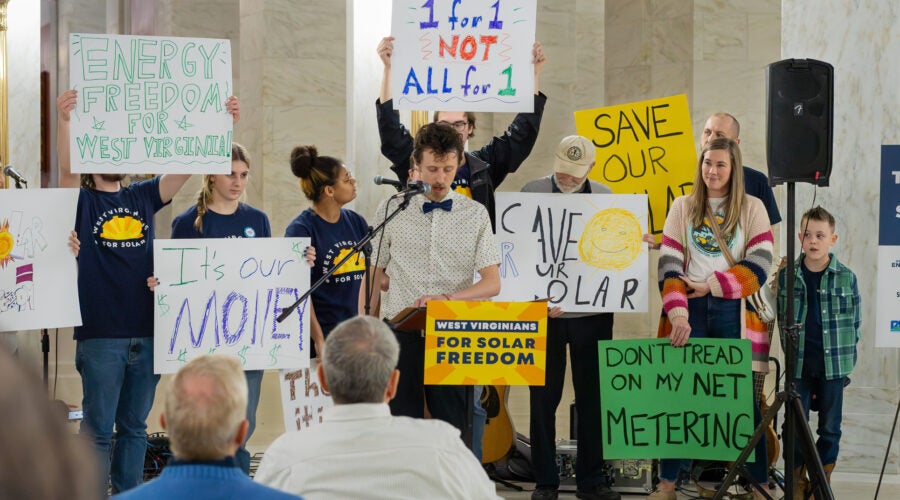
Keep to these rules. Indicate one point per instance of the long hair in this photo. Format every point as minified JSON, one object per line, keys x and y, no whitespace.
{"x":315,"y":172}
{"x":204,"y":196}
{"x":734,"y":200}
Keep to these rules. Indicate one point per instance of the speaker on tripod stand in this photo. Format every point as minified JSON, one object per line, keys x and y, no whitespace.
{"x":800,"y":96}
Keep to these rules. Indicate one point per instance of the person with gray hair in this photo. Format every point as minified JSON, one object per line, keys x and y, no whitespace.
{"x":386,"y":456}
{"x":205,"y":415}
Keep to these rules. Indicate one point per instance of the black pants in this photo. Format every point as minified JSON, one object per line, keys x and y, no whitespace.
{"x":582,"y":335}
{"x":445,"y":402}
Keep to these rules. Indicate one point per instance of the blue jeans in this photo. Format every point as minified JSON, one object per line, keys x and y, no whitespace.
{"x":254,"y":385}
{"x":479,"y":417}
{"x":716,"y":318}
{"x":830,"y":397}
{"x":119,"y":385}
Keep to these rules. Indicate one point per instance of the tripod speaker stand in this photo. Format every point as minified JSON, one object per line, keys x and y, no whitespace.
{"x":800,"y":94}
{"x":796,"y":425}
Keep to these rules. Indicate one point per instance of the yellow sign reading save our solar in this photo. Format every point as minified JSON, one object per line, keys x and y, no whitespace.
{"x":485,"y":343}
{"x":644,"y":147}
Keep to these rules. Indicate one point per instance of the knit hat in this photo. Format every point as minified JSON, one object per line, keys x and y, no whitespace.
{"x":574,"y":156}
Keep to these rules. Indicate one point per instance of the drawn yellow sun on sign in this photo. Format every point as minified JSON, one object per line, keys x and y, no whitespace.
{"x":352,"y":264}
{"x":122,"y":228}
{"x":611,"y":239}
{"x":7,"y":243}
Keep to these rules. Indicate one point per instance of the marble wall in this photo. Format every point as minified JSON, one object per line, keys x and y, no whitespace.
{"x":860,"y":40}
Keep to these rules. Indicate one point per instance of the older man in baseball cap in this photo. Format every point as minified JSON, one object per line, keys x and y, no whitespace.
{"x":573,"y":162}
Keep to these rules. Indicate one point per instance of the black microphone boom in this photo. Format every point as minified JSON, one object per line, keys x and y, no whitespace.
{"x":379,"y":180}
{"x":11,"y":172}
{"x":413,"y":188}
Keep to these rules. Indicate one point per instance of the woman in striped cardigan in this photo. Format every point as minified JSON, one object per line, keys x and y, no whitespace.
{"x":703,"y":296}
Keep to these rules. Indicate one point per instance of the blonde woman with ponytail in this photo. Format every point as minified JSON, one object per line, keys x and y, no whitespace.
{"x":219,"y":213}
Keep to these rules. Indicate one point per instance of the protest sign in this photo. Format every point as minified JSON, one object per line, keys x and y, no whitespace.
{"x":38,"y":272}
{"x":485,"y":343}
{"x":472,"y":55}
{"x":644,"y":147}
{"x":223,"y":295}
{"x":302,"y":399}
{"x":584,"y":251}
{"x":150,"y":104}
{"x":661,"y":401}
{"x":887,"y":298}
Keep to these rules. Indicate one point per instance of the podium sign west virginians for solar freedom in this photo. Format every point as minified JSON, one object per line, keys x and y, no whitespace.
{"x":150,"y":105}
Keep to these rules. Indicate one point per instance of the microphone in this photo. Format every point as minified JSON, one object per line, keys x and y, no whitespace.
{"x":11,"y":172}
{"x":413,"y":188}
{"x":379,"y":180}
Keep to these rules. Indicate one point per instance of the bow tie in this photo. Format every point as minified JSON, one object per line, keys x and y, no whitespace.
{"x":428,"y":206}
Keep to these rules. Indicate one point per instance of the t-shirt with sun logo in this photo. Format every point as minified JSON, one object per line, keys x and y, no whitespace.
{"x":245,"y":222}
{"x":706,"y":256}
{"x":116,"y":232}
{"x":338,"y":298}
{"x":460,"y":183}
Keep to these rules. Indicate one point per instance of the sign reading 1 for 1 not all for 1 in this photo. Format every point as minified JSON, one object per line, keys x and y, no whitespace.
{"x":462,"y":52}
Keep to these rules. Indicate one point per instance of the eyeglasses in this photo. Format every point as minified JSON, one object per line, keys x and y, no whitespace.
{"x":460,"y":126}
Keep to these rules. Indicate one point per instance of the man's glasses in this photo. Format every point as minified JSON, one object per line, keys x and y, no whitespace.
{"x":460,"y":126}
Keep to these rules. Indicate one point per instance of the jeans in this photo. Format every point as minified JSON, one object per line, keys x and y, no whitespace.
{"x":119,"y":385}
{"x":479,"y":417}
{"x":716,"y":318}
{"x":254,"y":386}
{"x":830,"y":397}
{"x":582,"y":335}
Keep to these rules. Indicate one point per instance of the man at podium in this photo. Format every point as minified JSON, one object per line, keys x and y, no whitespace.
{"x":432,"y":250}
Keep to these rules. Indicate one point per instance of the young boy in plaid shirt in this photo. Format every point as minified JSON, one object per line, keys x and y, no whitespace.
{"x":826,"y":307}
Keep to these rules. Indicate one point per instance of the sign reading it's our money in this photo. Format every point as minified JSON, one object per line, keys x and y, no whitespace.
{"x":150,"y":104}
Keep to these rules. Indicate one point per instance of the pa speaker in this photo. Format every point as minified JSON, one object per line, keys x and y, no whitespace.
{"x":799,"y":118}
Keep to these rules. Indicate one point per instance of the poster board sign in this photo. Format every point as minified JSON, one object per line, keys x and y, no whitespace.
{"x":150,"y":105}
{"x":584,"y":251}
{"x":463,"y":56}
{"x":887,"y":315}
{"x":661,"y":401}
{"x":223,"y":295}
{"x":644,"y":147}
{"x":38,"y":272}
{"x":485,"y":343}
{"x":302,"y":398}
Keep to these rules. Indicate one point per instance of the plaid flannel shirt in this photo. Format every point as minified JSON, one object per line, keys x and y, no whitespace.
{"x":839,"y":303}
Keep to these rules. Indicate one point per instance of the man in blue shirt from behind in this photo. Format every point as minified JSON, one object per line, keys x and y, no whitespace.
{"x":205,"y":415}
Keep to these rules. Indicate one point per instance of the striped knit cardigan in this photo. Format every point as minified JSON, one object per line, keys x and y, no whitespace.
{"x":736,"y":283}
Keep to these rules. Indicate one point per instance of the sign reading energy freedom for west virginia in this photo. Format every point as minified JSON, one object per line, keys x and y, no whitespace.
{"x":150,"y":104}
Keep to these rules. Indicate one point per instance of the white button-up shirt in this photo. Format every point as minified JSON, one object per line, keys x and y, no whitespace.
{"x":360,"y":451}
{"x":434,"y":253}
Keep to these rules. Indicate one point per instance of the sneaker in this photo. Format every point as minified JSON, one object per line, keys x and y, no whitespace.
{"x":544,"y":493}
{"x":662,"y":495}
{"x":599,"y":492}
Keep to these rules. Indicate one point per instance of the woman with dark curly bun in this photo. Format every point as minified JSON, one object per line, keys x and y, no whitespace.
{"x":334,"y":230}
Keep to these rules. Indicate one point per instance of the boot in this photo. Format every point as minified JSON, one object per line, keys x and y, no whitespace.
{"x":802,"y":482}
{"x":828,"y":469}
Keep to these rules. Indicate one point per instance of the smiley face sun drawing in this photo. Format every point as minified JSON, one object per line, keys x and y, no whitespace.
{"x":611,"y":240}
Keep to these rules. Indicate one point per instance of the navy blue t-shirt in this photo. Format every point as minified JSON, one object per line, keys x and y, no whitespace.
{"x":813,"y":346}
{"x":338,"y":298}
{"x":757,"y":184}
{"x":245,"y":222}
{"x":116,"y":257}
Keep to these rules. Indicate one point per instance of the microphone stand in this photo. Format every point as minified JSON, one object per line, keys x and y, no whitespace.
{"x":45,"y":337}
{"x":361,"y":246}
